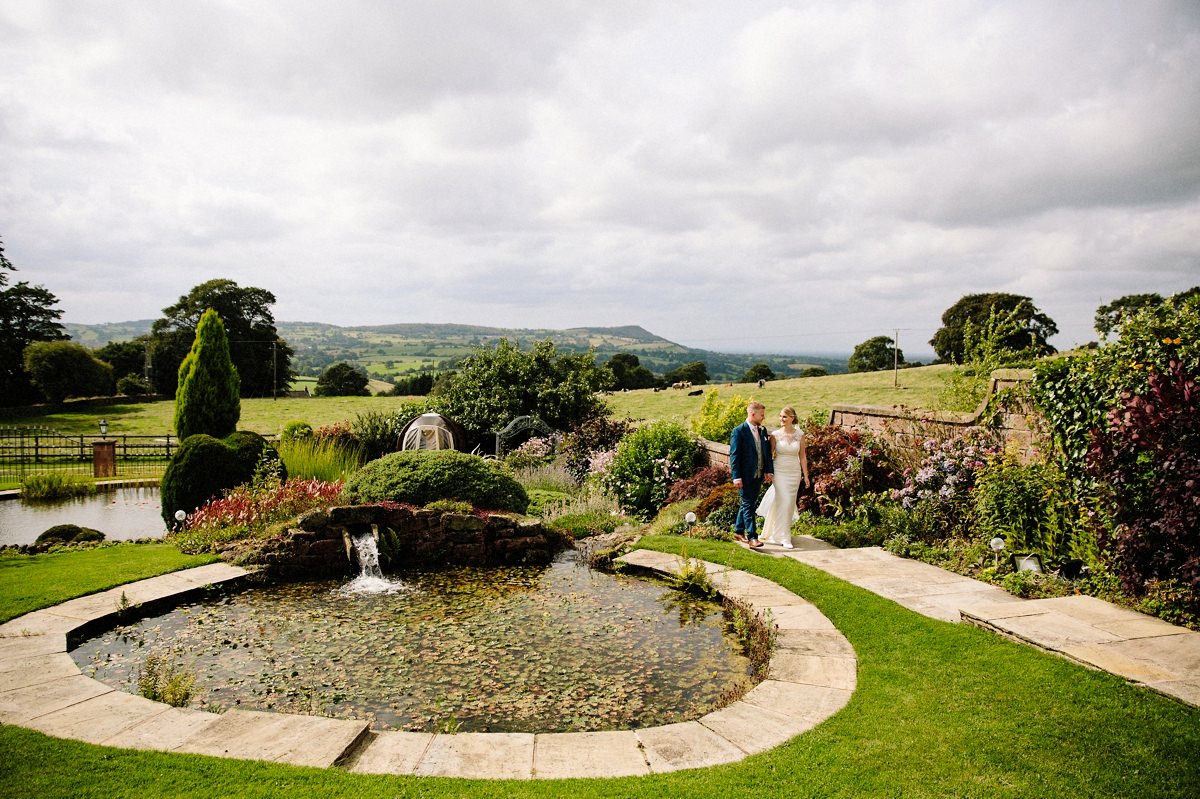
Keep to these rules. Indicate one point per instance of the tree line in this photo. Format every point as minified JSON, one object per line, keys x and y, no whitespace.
{"x":38,"y":362}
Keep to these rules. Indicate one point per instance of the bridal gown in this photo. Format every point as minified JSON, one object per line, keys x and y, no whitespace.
{"x":779,"y":507}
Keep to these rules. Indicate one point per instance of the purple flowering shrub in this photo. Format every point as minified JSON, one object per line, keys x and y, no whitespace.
{"x":938,"y":492}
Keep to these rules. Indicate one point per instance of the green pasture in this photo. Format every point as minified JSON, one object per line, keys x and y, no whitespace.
{"x":266,"y":416}
{"x":940,"y":710}
{"x":920,"y":387}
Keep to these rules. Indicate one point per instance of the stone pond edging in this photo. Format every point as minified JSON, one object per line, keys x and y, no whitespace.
{"x":812,"y":675}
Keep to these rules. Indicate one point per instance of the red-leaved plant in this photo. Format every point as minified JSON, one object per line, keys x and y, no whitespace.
{"x":253,"y":506}
{"x":1148,"y":462}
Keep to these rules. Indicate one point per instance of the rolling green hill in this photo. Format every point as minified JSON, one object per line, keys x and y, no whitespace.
{"x":388,"y":352}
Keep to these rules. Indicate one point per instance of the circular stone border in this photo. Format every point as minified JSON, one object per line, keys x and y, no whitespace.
{"x":812,"y":675}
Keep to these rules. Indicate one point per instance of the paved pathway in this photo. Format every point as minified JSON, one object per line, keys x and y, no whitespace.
{"x":812,"y":675}
{"x":1140,"y":648}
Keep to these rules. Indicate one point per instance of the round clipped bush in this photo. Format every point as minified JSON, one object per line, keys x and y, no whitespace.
{"x":68,"y":534}
{"x":204,"y":467}
{"x":420,"y":477}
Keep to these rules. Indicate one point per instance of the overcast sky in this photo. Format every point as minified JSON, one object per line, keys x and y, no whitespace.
{"x":736,"y":176}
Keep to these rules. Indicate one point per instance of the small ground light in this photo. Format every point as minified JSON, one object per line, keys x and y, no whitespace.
{"x":997,"y":545}
{"x":179,"y":517}
{"x":690,"y":518}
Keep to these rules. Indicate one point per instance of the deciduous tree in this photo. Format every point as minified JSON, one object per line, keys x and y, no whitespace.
{"x":495,"y":385}
{"x":342,"y":380}
{"x":875,"y":354}
{"x":27,"y":314}
{"x":262,"y":358}
{"x":62,"y":369}
{"x":1031,"y":335}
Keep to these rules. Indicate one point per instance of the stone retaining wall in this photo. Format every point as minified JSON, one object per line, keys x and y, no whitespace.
{"x":407,"y":538}
{"x":1007,"y":413}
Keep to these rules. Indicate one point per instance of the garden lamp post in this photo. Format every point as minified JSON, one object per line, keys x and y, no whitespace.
{"x":690,"y":518}
{"x":103,"y":428}
{"x":997,"y":545}
{"x":179,"y":518}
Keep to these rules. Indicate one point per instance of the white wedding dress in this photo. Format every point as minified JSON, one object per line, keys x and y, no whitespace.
{"x":778,"y":506}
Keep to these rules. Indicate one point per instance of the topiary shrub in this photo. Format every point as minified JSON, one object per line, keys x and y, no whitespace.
{"x":204,"y":467}
{"x":207,"y":400}
{"x":420,"y":477}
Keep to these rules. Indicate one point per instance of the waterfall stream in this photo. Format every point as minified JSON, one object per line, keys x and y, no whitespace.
{"x":370,"y":579}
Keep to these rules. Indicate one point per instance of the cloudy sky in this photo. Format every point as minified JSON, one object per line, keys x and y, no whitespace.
{"x":736,"y":176}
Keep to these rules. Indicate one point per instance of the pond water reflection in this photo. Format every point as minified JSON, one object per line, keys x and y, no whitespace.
{"x":122,"y":514}
{"x":514,"y":649}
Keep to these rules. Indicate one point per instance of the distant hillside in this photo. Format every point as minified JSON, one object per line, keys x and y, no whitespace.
{"x":389,"y":352}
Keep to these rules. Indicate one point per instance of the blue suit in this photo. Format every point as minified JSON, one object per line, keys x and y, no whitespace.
{"x":743,"y":464}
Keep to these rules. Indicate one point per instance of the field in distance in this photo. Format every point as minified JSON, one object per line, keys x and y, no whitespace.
{"x":918,"y":388}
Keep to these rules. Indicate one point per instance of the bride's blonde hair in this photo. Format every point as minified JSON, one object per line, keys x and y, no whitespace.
{"x":790,"y":411}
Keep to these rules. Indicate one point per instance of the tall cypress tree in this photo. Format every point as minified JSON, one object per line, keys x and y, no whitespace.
{"x":207,"y":400}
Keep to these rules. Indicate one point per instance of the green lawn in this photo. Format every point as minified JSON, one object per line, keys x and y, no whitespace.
{"x":941,"y":710}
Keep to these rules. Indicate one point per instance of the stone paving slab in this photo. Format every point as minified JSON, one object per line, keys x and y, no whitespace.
{"x":36,"y":670}
{"x":165,"y":731}
{"x":810,"y":704}
{"x":23,"y":705}
{"x":390,"y":753}
{"x":588,"y":754}
{"x":801,"y":618}
{"x":755,"y":590}
{"x":18,"y":648}
{"x":479,"y":755}
{"x":1184,"y":690}
{"x":99,"y":718}
{"x":950,"y":606}
{"x":752,"y":728}
{"x":821,"y":670}
{"x":685,"y":745}
{"x":40,"y":622}
{"x":277,"y":737}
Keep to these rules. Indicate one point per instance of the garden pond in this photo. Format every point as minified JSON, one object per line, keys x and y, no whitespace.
{"x":122,"y":514}
{"x":508,"y":649}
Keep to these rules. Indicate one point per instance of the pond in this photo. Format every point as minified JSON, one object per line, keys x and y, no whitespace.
{"x":513,"y":649}
{"x":122,"y":514}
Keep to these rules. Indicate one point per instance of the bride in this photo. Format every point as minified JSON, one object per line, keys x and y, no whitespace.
{"x":778,"y":506}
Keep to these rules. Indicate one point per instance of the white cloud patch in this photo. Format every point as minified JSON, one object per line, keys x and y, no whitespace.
{"x":751,"y":176}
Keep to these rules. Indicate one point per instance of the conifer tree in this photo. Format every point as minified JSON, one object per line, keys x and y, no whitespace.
{"x":207,"y":400}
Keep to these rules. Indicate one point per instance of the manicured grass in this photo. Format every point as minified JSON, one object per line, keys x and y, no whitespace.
{"x":919,"y":388}
{"x":29,"y":582}
{"x":941,"y":710}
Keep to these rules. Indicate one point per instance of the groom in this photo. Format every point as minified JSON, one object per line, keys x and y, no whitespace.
{"x":750,"y":464}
